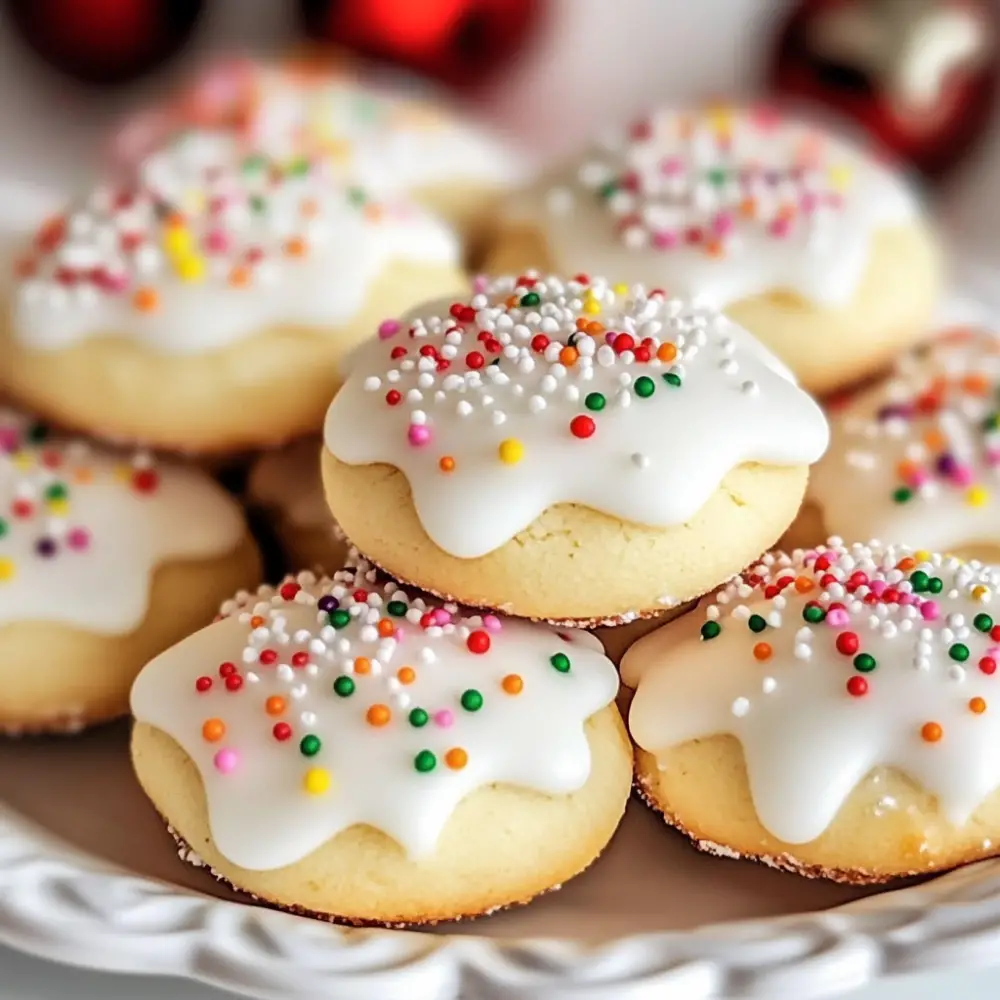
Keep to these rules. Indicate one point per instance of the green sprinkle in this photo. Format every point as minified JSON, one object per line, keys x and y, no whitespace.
{"x":756,"y":623}
{"x":992,"y":422}
{"x":935,"y":585}
{"x":3,"y":527}
{"x":396,"y":608}
{"x":257,"y":203}
{"x":864,"y":662}
{"x":561,"y":662}
{"x":607,"y":189}
{"x":594,"y":401}
{"x":252,"y":164}
{"x":418,"y":718}
{"x":530,"y":299}
{"x":356,"y":196}
{"x":920,"y":581}
{"x":813,"y":614}
{"x":672,"y":378}
{"x":983,"y":622}
{"x":644,"y":386}
{"x":343,"y":686}
{"x":425,"y":761}
{"x":57,"y":491}
{"x":472,"y":700}
{"x":901,"y":495}
{"x":717,"y":176}
{"x":310,"y":745}
{"x":298,"y":167}
{"x":959,"y":651}
{"x":340,"y":618}
{"x":710,"y":630}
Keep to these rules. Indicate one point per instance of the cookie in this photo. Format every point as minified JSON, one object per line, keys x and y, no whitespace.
{"x":831,"y":714}
{"x":341,"y":749}
{"x":375,"y":135}
{"x":285,"y":485}
{"x":105,"y":561}
{"x":914,"y":458}
{"x":206,"y":307}
{"x":567,"y":450}
{"x":807,"y":241}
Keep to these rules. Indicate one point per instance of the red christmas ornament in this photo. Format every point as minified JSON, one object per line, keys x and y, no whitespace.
{"x":918,"y":75}
{"x":458,"y":42}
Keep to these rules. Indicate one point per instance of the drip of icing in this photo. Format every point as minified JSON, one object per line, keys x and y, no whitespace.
{"x":353,"y":703}
{"x":216,"y":241}
{"x":827,"y":665}
{"x":82,"y":531}
{"x":536,"y":392}
{"x":721,"y":205}
{"x":916,"y":459}
{"x":289,"y":479}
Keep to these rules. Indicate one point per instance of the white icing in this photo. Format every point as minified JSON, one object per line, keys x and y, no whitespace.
{"x":839,"y":195}
{"x":870,"y":459}
{"x":100,"y":582}
{"x":653,"y":461}
{"x":807,"y":741}
{"x":289,"y":480}
{"x":261,"y":814}
{"x":255,"y":246}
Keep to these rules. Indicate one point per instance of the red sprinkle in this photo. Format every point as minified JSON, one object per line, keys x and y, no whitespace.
{"x":539,"y":342}
{"x":988,"y":665}
{"x":234,"y":682}
{"x":300,"y":659}
{"x":474,"y":359}
{"x":857,"y":686}
{"x":282,"y":731}
{"x":268,"y":656}
{"x":289,"y":590}
{"x":227,"y":669}
{"x":478,"y":642}
{"x":848,"y":643}
{"x":582,"y":426}
{"x":205,"y":683}
{"x":393,"y":397}
{"x":145,"y":480}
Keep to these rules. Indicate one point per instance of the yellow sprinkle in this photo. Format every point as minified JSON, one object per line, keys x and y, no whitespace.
{"x":841,"y":176}
{"x":511,"y":451}
{"x":190,"y":267}
{"x":977,"y":496}
{"x":23,"y":459}
{"x":592,"y":306}
{"x":980,"y":593}
{"x":6,"y":569}
{"x":123,"y":473}
{"x":316,"y":781}
{"x":620,"y":289}
{"x":921,"y":555}
{"x":59,"y":508}
{"x":720,"y":117}
{"x":177,"y":241}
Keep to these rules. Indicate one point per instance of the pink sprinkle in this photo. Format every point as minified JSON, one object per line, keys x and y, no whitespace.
{"x":918,"y":477}
{"x":780,"y":227}
{"x":906,"y":599}
{"x":444,"y":718}
{"x":491,"y":623}
{"x":78,"y":538}
{"x":388,"y":328}
{"x":962,"y":475}
{"x":809,"y":202}
{"x":671,"y":165}
{"x":480,"y":283}
{"x":226,"y":761}
{"x":993,"y":456}
{"x":837,"y":618}
{"x":723,"y":223}
{"x":665,"y":239}
{"x":217,"y":241}
{"x":419,"y":435}
{"x":609,"y":338}
{"x":9,"y":440}
{"x":930,"y":610}
{"x":111,"y":281}
{"x":877,"y":587}
{"x":440,"y":617}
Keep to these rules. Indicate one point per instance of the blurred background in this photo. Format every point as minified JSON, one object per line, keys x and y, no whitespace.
{"x":918,"y":75}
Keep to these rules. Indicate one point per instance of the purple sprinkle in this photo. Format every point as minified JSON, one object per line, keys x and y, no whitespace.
{"x":896,"y":410}
{"x":45,"y":547}
{"x":328,"y":603}
{"x":946,"y":464}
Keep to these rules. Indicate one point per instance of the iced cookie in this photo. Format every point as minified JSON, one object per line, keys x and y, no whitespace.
{"x":915,"y":458}
{"x":808,"y":242}
{"x":371,"y":134}
{"x":565,"y":450}
{"x":832,"y":714}
{"x":285,"y":484}
{"x":206,"y":307}
{"x":104,"y":562}
{"x":344,"y":750}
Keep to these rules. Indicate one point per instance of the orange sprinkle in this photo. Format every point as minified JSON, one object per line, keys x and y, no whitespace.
{"x":239,"y":276}
{"x":213,"y":730}
{"x":275,"y":705}
{"x":748,"y":208}
{"x":373,"y":212}
{"x":975,"y":382}
{"x":934,"y":439}
{"x":803,"y":584}
{"x":977,"y":705}
{"x":513,"y":684}
{"x":906,"y":564}
{"x":931,"y":732}
{"x":83,"y":476}
{"x":406,"y":675}
{"x":594,"y":328}
{"x":256,"y":621}
{"x":568,"y":356}
{"x":309,"y":207}
{"x":511,"y":301}
{"x":447,"y":464}
{"x":666,"y":352}
{"x":146,"y":299}
{"x":386,"y":628}
{"x":296,"y":247}
{"x":362,"y":665}
{"x":787,"y":212}
{"x":762,"y":651}
{"x":715,"y":248}
{"x":581,"y":322}
{"x":175,"y":219}
{"x":378,"y":715}
{"x":456,"y":758}
{"x":906,"y":469}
